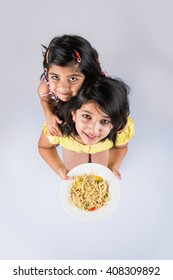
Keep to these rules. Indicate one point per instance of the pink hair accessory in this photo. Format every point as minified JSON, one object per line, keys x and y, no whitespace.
{"x":78,"y":58}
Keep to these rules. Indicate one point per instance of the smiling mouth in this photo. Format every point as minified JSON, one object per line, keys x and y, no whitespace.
{"x":91,"y":137}
{"x":65,"y":94}
{"x":61,"y":93}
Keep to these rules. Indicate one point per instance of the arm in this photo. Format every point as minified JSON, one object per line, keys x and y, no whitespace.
{"x":46,"y":102}
{"x":49,"y":153}
{"x":116,"y":156}
{"x":118,"y":152}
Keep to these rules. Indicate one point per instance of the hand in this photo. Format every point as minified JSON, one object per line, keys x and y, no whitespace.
{"x":62,"y":172}
{"x":116,"y":173}
{"x":52,"y":122}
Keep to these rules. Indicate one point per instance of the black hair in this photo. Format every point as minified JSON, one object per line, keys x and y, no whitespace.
{"x":111,"y":95}
{"x":61,"y":52}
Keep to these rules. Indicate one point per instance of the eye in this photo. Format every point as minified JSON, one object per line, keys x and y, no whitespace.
{"x":103,"y":122}
{"x":86,"y":116}
{"x":55,"y":78}
{"x":73,"y":79}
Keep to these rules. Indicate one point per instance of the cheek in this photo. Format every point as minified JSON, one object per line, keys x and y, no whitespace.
{"x":111,"y":126}
{"x":107,"y":129}
{"x":78,"y":87}
{"x":52,"y":86}
{"x":81,"y":124}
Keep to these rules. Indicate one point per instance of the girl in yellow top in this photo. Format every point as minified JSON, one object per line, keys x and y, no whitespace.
{"x":97,"y":128}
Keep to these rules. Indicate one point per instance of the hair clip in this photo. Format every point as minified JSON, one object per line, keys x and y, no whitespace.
{"x":78,"y":58}
{"x":47,"y":56}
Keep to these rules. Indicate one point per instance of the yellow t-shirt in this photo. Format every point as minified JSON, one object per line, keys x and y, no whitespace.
{"x":69,"y":143}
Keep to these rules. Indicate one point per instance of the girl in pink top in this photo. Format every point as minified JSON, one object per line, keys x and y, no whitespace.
{"x":69,"y":62}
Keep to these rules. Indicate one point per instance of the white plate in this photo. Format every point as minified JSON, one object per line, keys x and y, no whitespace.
{"x":114,"y":189}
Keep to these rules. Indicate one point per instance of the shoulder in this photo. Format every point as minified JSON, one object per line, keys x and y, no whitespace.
{"x":43,"y":88}
{"x":55,"y":140}
{"x":125,"y":135}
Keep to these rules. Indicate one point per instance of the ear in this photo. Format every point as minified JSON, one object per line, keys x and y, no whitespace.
{"x":45,"y":71}
{"x":73,"y":114}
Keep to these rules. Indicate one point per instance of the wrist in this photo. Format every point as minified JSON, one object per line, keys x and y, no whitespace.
{"x":49,"y":115}
{"x":114,"y":166}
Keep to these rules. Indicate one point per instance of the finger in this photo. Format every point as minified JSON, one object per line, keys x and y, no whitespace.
{"x":55,"y":132}
{"x":117,"y":174}
{"x":58,"y":120}
{"x":52,"y":132}
{"x":64,"y":176}
{"x":58,"y":132}
{"x":68,"y":178}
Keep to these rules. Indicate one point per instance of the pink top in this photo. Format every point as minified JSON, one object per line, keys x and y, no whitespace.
{"x":52,"y":94}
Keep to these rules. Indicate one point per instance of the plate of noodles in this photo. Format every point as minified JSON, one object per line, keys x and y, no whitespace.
{"x":92,"y":194}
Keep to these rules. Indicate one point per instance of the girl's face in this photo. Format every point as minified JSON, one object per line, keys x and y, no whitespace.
{"x":91,"y":123}
{"x":65,"y":81}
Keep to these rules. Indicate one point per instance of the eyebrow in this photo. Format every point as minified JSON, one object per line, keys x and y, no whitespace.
{"x":88,"y":112}
{"x":72,"y":75}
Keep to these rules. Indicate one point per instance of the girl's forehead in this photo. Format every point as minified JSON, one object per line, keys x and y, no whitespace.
{"x":93,"y":107}
{"x":70,"y":68}
{"x":90,"y":104}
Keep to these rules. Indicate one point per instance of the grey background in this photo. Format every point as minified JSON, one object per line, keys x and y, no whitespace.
{"x":134,"y":41}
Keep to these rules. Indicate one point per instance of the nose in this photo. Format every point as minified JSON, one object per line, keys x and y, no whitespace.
{"x":94,"y":128}
{"x":62,"y":87}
